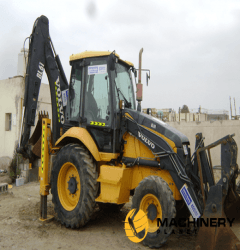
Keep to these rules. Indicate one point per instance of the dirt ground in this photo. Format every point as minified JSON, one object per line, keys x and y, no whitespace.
{"x":20,"y":228}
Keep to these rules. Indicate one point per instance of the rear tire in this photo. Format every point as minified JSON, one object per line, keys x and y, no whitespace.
{"x":154,"y":191}
{"x":74,"y":185}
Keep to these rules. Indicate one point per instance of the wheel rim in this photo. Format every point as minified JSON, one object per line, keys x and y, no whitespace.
{"x":152,"y":207}
{"x":69,"y":186}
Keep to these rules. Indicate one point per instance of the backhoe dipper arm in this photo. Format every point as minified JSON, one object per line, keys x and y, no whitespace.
{"x":40,"y":57}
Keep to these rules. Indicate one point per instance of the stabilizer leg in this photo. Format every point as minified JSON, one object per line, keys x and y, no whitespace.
{"x":43,"y":169}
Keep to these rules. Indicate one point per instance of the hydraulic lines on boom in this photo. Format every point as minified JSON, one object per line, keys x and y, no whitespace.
{"x":42,"y":56}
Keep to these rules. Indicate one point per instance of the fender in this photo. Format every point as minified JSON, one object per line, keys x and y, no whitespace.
{"x":82,"y":135}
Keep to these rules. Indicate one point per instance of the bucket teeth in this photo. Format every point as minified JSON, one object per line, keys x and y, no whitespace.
{"x":43,"y":114}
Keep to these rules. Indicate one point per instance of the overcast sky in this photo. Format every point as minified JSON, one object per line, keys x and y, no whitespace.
{"x":191,"y":47}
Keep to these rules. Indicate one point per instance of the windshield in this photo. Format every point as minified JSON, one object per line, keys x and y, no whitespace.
{"x":124,"y":84}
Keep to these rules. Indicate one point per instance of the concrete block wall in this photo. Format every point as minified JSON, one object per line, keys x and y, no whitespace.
{"x":211,"y":130}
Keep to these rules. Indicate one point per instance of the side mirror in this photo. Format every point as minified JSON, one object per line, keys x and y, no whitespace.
{"x":135,"y":73}
{"x":147,"y":77}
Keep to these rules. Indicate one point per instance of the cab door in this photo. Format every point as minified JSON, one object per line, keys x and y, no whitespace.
{"x":97,"y":103}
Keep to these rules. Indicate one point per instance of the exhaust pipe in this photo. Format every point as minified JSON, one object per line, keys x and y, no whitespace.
{"x":139,"y":85}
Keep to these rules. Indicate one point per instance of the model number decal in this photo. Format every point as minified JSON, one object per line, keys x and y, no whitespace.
{"x":102,"y":124}
{"x":59,"y":101}
{"x":153,"y":125}
{"x":40,"y":71}
{"x":146,"y":140}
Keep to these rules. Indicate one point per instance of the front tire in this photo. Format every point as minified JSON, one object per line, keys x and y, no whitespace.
{"x":74,"y":185}
{"x":155,"y":198}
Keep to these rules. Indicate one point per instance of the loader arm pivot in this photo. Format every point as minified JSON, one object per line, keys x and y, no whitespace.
{"x":42,"y":56}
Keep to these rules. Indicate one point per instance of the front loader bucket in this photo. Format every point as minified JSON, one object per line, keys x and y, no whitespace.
{"x":216,"y":232}
{"x":232,"y":205}
{"x":221,"y":201}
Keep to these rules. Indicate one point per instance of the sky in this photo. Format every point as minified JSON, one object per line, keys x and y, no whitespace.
{"x":192,"y":48}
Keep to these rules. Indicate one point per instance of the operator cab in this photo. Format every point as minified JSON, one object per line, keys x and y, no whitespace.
{"x":99,"y":80}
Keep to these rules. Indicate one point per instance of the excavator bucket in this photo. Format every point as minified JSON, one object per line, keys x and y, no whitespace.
{"x":221,"y":201}
{"x":35,"y":139}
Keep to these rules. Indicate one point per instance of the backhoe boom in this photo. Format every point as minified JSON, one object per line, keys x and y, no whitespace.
{"x":42,"y":56}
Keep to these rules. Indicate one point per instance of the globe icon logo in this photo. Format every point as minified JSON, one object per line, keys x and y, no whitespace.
{"x":136,"y":225}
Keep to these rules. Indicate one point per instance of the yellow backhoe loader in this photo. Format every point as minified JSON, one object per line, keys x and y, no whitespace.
{"x":100,"y":148}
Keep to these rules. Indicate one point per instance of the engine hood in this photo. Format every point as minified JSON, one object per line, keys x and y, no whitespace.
{"x":159,"y":126}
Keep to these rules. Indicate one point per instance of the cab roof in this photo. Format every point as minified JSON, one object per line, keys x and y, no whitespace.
{"x":87,"y":54}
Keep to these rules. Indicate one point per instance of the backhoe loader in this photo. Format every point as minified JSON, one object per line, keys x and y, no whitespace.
{"x":101,"y":149}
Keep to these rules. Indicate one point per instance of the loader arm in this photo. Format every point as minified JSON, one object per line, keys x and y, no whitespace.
{"x":167,"y":151}
{"x":42,"y":56}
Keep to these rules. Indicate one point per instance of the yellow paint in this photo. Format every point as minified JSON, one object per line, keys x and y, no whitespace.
{"x":134,"y":148}
{"x":144,"y":204}
{"x":117,"y":181}
{"x":170,"y":142}
{"x":115,"y":184}
{"x":45,"y":146}
{"x":127,"y":62}
{"x":129,"y":147}
{"x":82,"y":135}
{"x":88,"y":54}
{"x":129,"y":116}
{"x":108,"y":156}
{"x":68,"y":200}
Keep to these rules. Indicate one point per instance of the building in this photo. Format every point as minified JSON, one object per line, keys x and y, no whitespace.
{"x":11,"y":108}
{"x":194,"y":115}
{"x":163,"y":114}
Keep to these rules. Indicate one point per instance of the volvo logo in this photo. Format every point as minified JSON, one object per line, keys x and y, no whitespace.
{"x":146,"y":140}
{"x":59,"y":101}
